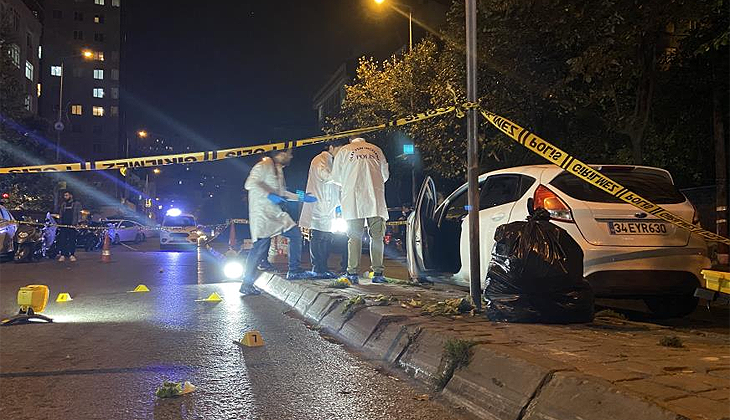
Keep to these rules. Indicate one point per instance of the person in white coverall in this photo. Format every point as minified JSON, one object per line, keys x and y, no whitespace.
{"x":266,"y":191}
{"x":360,"y":168}
{"x":318,"y":216}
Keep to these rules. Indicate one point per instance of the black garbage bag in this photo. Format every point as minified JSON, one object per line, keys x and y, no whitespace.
{"x":536,"y":274}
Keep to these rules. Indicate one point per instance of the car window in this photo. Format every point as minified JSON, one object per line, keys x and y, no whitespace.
{"x":457,"y":206}
{"x":498,"y":190}
{"x":127,"y":224}
{"x":178,"y":221}
{"x":4,"y":213}
{"x":656,"y":186}
{"x":525,"y":184}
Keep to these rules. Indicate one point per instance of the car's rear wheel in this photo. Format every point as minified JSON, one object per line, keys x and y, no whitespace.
{"x":117,"y":240}
{"x":138,"y":238}
{"x":672,"y":306}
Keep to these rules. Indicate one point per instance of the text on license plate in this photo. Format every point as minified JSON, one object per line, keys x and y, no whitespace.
{"x":637,"y":228}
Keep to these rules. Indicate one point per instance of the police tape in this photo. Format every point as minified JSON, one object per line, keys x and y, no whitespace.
{"x":4,"y":223}
{"x":216,"y":155}
{"x":585,"y":172}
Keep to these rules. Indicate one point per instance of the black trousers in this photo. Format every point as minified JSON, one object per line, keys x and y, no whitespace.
{"x":319,"y":250}
{"x":67,"y":241}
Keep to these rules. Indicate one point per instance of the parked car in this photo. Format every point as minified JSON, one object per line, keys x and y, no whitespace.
{"x":627,"y":253}
{"x":125,"y":231}
{"x":179,"y":230}
{"x":7,"y":232}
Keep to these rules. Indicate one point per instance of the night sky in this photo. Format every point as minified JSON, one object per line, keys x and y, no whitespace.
{"x":240,"y":73}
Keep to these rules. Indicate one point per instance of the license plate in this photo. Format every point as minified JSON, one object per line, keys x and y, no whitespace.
{"x":637,"y":228}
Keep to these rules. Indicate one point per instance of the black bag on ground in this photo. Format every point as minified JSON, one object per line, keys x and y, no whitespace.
{"x":536,"y":274}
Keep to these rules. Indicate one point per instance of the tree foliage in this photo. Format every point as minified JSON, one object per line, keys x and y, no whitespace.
{"x":612,"y":81}
{"x":18,"y":128}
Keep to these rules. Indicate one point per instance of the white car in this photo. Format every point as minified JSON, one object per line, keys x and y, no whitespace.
{"x":7,"y":231}
{"x":179,"y":230}
{"x":126,"y":231}
{"x":627,"y":253}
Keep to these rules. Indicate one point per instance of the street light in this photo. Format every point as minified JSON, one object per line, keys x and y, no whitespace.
{"x":87,"y":54}
{"x":410,"y":20}
{"x":142,"y":134}
{"x":156,"y":171}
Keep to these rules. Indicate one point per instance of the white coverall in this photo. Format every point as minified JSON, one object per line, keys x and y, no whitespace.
{"x":320,"y":214}
{"x":267,"y":219}
{"x":361,"y":170}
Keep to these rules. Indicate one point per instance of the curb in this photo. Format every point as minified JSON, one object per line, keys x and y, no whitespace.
{"x":500,"y":383}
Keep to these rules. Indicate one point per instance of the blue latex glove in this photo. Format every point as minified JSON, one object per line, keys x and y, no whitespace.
{"x":276,"y":199}
{"x":308,"y":198}
{"x":338,"y":211}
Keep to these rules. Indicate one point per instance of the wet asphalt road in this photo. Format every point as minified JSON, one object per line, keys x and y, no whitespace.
{"x":108,"y":350}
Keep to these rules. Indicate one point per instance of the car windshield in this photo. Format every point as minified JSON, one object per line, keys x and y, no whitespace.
{"x":178,"y":221}
{"x":654,"y":185}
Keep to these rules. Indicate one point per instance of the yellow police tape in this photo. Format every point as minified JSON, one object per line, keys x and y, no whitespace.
{"x":585,"y":172}
{"x":215,"y":155}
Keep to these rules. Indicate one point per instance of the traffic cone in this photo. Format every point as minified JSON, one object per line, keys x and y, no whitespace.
{"x":232,"y":252}
{"x":232,"y":237}
{"x":106,"y":254}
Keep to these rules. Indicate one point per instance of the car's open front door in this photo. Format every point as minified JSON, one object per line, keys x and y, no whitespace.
{"x":422,"y":232}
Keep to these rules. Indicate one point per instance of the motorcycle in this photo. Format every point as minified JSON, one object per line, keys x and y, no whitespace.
{"x":89,"y":239}
{"x":35,"y":242}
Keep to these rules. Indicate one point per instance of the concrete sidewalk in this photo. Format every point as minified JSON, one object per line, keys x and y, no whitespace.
{"x":609,"y":369}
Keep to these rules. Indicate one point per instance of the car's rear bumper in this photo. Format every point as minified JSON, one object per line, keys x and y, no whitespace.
{"x":615,"y":271}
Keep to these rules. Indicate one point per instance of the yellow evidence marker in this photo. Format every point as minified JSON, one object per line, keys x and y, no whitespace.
{"x":214,"y":297}
{"x":252,"y":339}
{"x":63,"y":297}
{"x":140,"y":288}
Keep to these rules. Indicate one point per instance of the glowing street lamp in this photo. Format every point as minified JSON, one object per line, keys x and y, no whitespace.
{"x":156,"y":171}
{"x":410,"y":21}
{"x":142,"y":134}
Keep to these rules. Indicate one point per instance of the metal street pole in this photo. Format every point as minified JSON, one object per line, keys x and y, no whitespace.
{"x":475,"y":286}
{"x":60,"y":110}
{"x":410,"y":29}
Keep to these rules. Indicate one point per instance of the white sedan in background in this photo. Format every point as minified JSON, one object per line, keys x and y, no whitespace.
{"x":627,"y":253}
{"x":7,"y":231}
{"x":126,"y":231}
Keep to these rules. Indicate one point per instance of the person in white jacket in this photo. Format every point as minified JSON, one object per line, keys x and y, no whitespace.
{"x":319,"y":216}
{"x":360,"y":168}
{"x":266,"y":191}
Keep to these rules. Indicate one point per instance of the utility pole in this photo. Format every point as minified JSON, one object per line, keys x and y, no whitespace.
{"x":475,"y":284}
{"x":722,"y":206}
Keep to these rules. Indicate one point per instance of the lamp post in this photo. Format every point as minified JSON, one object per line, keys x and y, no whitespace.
{"x":410,"y":21}
{"x":475,"y":284}
{"x":59,"y":123}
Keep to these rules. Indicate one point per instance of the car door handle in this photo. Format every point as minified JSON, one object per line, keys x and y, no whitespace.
{"x":497,"y":217}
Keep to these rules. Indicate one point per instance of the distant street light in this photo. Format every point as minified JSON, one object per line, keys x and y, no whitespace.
{"x":410,"y":21}
{"x":142,"y":133}
{"x":59,"y":124}
{"x":156,"y":171}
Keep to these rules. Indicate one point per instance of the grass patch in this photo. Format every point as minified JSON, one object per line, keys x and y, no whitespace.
{"x":456,"y":355}
{"x":352,"y":305}
{"x":671,"y":341}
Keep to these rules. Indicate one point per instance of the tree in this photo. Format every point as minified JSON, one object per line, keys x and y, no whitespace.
{"x":18,"y":127}
{"x":603,"y":79}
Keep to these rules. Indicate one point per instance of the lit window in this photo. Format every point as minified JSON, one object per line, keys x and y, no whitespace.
{"x":28,"y":70}
{"x":76,"y":109}
{"x":99,"y":55}
{"x":115,"y":93}
{"x":115,"y":74}
{"x":56,"y":70}
{"x":98,"y":93}
{"x":113,"y":111}
{"x":99,"y":2}
{"x":39,"y":90}
{"x":97,"y":111}
{"x":98,"y":74}
{"x":14,"y":53}
{"x":40,"y":52}
{"x":98,"y":18}
{"x":28,"y":103}
{"x":115,"y":3}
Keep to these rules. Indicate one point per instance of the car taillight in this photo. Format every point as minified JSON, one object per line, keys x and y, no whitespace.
{"x":544,"y":198}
